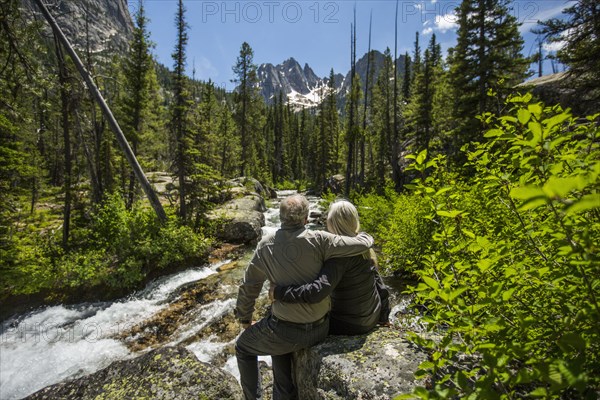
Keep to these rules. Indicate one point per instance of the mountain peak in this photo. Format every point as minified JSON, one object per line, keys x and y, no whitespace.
{"x":288,"y":77}
{"x":303,"y":87}
{"x":290,"y":60}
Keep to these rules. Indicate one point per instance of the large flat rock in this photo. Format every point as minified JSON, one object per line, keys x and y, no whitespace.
{"x":378,"y":365}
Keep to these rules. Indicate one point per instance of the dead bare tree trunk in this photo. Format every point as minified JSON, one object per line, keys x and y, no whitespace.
{"x":137,"y":169}
{"x":395,"y":148}
{"x":364,"y":126}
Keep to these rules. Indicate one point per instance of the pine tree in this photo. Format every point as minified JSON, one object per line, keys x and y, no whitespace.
{"x":64,"y":77}
{"x":207,"y":126}
{"x":278,"y":139}
{"x":365,"y":133}
{"x":416,"y":64}
{"x":581,"y":34}
{"x":307,"y":139}
{"x":322,"y":148}
{"x":394,"y":143}
{"x":180,"y":109}
{"x":202,"y":153}
{"x":228,"y":143}
{"x":383,"y":119}
{"x":487,"y":57}
{"x":352,"y":127}
{"x":419,"y":112}
{"x":137,"y":69}
{"x":22,"y":90}
{"x":295,"y":153}
{"x":406,"y":77}
{"x":246,"y":106}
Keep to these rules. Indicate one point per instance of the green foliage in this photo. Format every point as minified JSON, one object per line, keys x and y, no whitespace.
{"x":407,"y":236}
{"x":375,"y":211}
{"x":512,"y":280}
{"x":118,"y":249}
{"x":299,"y":185}
{"x":399,"y":224}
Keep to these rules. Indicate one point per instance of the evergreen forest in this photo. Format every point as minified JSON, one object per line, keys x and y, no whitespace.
{"x":481,"y":193}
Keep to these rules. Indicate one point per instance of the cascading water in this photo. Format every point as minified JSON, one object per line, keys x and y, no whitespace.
{"x":47,"y":346}
{"x":64,"y":342}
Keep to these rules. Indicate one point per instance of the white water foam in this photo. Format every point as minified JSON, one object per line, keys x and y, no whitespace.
{"x":56,"y":343}
{"x":206,"y":314}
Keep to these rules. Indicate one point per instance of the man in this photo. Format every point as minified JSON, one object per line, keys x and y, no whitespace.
{"x":292,"y":255}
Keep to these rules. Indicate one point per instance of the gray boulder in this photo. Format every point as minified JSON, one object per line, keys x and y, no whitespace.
{"x":561,"y":88}
{"x":335,"y":184}
{"x":253,"y":185}
{"x":240,"y":220}
{"x":167,"y":373}
{"x":379,"y":365}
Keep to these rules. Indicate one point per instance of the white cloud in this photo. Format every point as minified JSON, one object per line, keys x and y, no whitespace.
{"x":446,"y":22}
{"x":553,"y":47}
{"x":443,"y":24}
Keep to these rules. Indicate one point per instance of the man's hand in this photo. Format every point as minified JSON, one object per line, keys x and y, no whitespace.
{"x":368,"y":238}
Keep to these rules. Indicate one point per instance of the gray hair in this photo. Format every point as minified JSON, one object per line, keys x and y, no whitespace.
{"x":293,"y":210}
{"x":342,"y":218}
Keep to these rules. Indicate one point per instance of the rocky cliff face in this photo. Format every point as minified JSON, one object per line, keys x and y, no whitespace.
{"x":361,"y":70}
{"x":98,"y":24}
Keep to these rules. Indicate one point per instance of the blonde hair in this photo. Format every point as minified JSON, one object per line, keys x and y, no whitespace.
{"x":342,"y":218}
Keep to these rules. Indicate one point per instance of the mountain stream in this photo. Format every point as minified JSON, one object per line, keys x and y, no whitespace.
{"x":193,"y":308}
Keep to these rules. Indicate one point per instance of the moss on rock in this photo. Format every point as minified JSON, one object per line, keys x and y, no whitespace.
{"x":378,"y":365}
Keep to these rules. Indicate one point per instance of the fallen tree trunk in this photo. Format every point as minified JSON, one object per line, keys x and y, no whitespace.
{"x":114,"y":125}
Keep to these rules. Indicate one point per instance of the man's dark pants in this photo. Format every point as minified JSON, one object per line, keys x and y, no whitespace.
{"x":279,"y":339}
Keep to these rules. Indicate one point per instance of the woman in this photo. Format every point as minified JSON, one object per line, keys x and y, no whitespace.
{"x":359,"y":298}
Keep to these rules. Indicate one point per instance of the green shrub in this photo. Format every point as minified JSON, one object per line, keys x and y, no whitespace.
{"x":135,"y":243}
{"x":299,"y":185}
{"x":400,"y":225}
{"x":88,"y":267}
{"x":177,"y":243}
{"x":375,"y":212}
{"x":407,"y":236}
{"x":117,"y":248}
{"x":31,"y":269}
{"x":512,"y":282}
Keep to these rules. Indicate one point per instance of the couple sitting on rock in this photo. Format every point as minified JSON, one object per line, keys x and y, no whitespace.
{"x":302,"y":313}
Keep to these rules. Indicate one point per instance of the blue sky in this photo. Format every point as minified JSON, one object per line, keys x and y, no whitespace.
{"x":313,"y":32}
